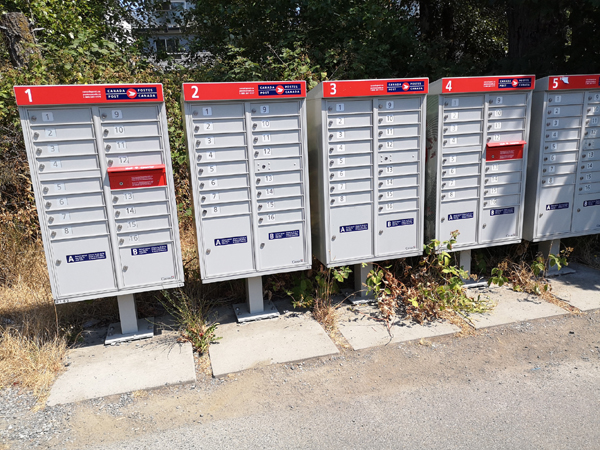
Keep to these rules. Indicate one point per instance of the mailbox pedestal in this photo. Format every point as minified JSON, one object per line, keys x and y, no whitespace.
{"x":477,"y":134}
{"x":101,"y":172}
{"x":366,"y":146}
{"x":249,"y":174}
{"x":563,"y":178}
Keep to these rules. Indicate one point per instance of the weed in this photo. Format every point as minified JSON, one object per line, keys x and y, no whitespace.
{"x":435,"y":286}
{"x":191,"y":312}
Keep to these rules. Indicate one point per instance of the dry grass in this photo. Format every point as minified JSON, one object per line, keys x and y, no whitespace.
{"x":31,"y":348}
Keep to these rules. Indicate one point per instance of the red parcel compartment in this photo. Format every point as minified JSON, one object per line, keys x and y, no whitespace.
{"x":502,"y":151}
{"x":137,"y":176}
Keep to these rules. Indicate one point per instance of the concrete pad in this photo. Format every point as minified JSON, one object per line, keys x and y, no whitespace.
{"x":293,"y":336}
{"x":580,"y":289}
{"x":360,"y":327}
{"x":96,"y":370}
{"x":512,"y":307}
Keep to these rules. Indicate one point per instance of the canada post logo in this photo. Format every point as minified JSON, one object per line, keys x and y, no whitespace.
{"x":280,"y":89}
{"x":131,"y":93}
{"x":515,"y":83}
{"x":406,"y":86}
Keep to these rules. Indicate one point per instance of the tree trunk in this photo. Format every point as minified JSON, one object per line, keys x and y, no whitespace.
{"x":19,"y":39}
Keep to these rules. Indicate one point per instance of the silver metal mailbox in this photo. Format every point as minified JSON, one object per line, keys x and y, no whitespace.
{"x":247,"y":151}
{"x":366,"y":146}
{"x":477,"y":143}
{"x":101,"y":171}
{"x":563,"y":173}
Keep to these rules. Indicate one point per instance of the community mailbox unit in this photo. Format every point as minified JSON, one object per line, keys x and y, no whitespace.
{"x":249,"y":167}
{"x":563,"y":179}
{"x":101,"y":171}
{"x":366,"y":144}
{"x":477,"y":131}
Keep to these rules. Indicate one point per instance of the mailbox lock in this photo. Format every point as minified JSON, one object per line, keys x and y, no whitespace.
{"x":33,"y":118}
{"x":583,"y":156}
{"x":204,"y":212}
{"x":541,"y":215}
{"x":36,"y":135}
{"x":547,"y":124}
{"x":38,"y":151}
{"x":445,"y":142}
{"x":330,"y":149}
{"x":490,"y":114}
{"x":194,"y":113}
{"x":262,"y":245}
{"x":260,"y":207}
{"x":546,"y":147}
{"x":254,"y":126}
{"x":485,"y":192}
{"x":208,"y":251}
{"x":255,"y":140}
{"x":587,"y":121}
{"x":104,"y":116}
{"x":48,"y":204}
{"x":256,"y":154}
{"x":445,"y":116}
{"x":50,"y":219}
{"x":258,"y":194}
{"x":330,"y":122}
{"x":380,"y":120}
{"x":380,"y":106}
{"x":258,"y":181}
{"x":121,"y":241}
{"x":260,"y":220}
{"x":53,"y":234}
{"x":200,"y":171}
{"x":110,"y":163}
{"x":583,"y":167}
{"x":108,"y":147}
{"x":491,"y":101}
{"x":125,"y":268}
{"x":489,"y":127}
{"x":444,"y":161}
{"x":380,"y":232}
{"x":329,"y":109}
{"x":586,"y":133}
{"x":203,"y":199}
{"x":590,"y":97}
{"x":332,"y":188}
{"x":201,"y":185}
{"x":380,"y":184}
{"x":381,"y":208}
{"x":547,"y":135}
{"x":42,"y":166}
{"x":380,"y":145}
{"x":119,"y":227}
{"x":330,"y":163}
{"x":46,"y":190}
{"x":115,"y":199}
{"x":581,"y":189}
{"x":544,"y":171}
{"x":381,"y":133}
{"x":445,"y":103}
{"x":543,"y":181}
{"x":380,"y":172}
{"x":333,"y":238}
{"x":197,"y":142}
{"x":196,"y":128}
{"x":442,"y":219}
{"x":331,"y":176}
{"x":117,"y":213}
{"x":443,"y":184}
{"x":253,"y":110}
{"x":332,"y":201}
{"x":331,"y":136}
{"x":445,"y":129}
{"x":578,"y":210}
{"x":483,"y":226}
{"x":545,"y":159}
{"x":58,"y":261}
{"x":489,"y":139}
{"x":443,"y":195}
{"x":105,"y":132}
{"x":485,"y":203}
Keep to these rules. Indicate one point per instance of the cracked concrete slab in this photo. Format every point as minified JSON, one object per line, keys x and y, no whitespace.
{"x":580,"y":289}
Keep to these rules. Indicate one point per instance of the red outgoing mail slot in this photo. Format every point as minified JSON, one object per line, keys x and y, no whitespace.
{"x":501,"y":151}
{"x":137,"y":176}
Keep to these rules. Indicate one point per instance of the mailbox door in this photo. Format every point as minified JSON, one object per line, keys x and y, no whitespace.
{"x":351,"y":232}
{"x":75,"y":259}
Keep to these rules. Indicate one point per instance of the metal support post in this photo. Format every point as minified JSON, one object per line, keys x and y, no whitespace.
{"x":464,"y":261}
{"x":553,"y":248}
{"x":255,"y":308}
{"x":130,"y":328}
{"x":360,"y":290}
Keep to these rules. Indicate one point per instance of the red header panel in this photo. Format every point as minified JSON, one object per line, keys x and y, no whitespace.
{"x":502,"y":151}
{"x":88,"y":93}
{"x":485,"y":84}
{"x":369,"y":88}
{"x":197,"y":92}
{"x":565,"y":82}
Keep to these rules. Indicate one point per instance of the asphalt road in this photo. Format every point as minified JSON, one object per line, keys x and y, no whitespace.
{"x":513,"y":389}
